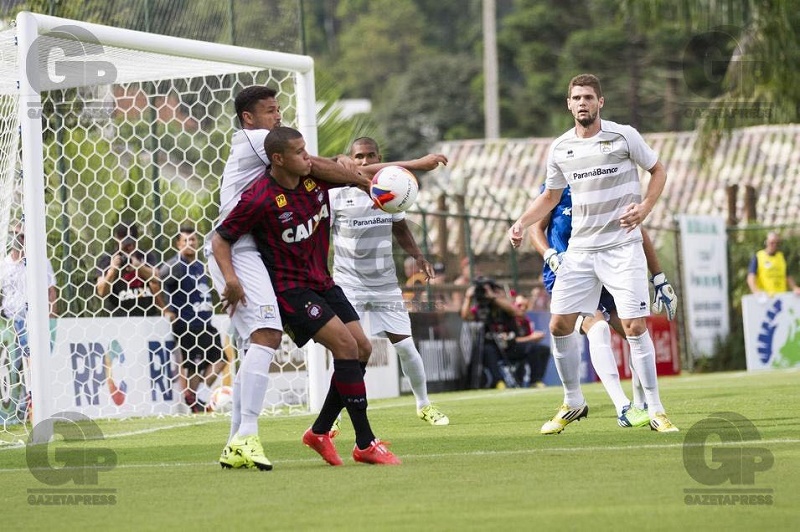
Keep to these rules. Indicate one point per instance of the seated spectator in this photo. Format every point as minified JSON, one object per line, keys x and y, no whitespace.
{"x":529,"y":348}
{"x":126,"y":279}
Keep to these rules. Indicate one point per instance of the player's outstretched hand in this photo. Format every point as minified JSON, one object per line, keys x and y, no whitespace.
{"x":665,"y":298}
{"x":431,"y":161}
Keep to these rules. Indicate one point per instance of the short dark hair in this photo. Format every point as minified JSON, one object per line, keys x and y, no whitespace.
{"x":248,"y":97}
{"x":366,"y":140}
{"x":124,"y":230}
{"x":185,"y":228}
{"x":278,"y":139}
{"x":585,"y":80}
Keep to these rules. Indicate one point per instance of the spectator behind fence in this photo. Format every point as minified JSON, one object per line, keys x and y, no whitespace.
{"x":768,"y":274}
{"x":126,"y":279}
{"x":187,"y":289}
{"x":15,"y":307}
{"x":529,"y":349}
{"x":485,"y":302}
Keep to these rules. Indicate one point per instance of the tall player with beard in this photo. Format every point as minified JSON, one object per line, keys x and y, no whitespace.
{"x":363,"y":266}
{"x":258,"y":323}
{"x":287,"y":213}
{"x":599,"y":160}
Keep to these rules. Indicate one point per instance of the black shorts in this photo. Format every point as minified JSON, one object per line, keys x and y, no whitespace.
{"x":304,"y":311}
{"x":198,"y":347}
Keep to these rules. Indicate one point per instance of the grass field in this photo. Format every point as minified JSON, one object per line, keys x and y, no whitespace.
{"x":489,"y":470}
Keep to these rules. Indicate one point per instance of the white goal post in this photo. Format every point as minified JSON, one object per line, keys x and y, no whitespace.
{"x":104,"y":113}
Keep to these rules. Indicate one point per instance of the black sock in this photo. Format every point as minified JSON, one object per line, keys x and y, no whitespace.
{"x":331,"y":407}
{"x":349,"y":382}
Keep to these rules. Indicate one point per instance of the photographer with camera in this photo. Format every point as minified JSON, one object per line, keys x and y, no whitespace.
{"x":485,"y":302}
{"x":126,"y":280}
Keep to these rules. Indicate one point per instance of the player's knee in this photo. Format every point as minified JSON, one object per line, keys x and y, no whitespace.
{"x":364,"y":349}
{"x":345,"y":347}
{"x":634,"y":327}
{"x":562,"y":325}
{"x":267,"y":337}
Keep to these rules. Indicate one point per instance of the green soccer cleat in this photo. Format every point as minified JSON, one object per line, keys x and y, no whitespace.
{"x":564,"y":417}
{"x":251,"y":451}
{"x":230,"y":459}
{"x":633,"y":417}
{"x":433,"y":416}
{"x":660,"y":423}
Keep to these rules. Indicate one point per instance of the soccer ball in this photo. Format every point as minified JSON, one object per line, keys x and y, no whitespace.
{"x":394,"y":189}
{"x":221,"y":399}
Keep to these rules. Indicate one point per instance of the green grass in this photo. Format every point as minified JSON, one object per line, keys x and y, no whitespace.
{"x":489,"y":470}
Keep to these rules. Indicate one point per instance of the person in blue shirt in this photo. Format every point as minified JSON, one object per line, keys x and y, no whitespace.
{"x":187,"y":287}
{"x":550,"y":236}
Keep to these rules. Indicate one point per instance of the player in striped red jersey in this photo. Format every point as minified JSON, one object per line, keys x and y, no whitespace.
{"x":287,"y":211}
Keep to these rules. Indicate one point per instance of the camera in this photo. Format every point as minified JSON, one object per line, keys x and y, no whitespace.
{"x":482,"y":286}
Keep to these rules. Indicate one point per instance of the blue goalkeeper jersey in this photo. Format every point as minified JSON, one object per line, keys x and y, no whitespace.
{"x":558,"y":232}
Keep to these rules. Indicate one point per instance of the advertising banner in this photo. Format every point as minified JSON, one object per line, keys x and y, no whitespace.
{"x":771,"y":331}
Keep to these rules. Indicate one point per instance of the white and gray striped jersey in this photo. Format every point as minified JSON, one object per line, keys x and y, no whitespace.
{"x":246,"y":163}
{"x":602,"y":173}
{"x":362,"y":241}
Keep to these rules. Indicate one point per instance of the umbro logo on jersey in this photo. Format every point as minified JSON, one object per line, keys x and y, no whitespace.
{"x":309,"y":184}
{"x":320,"y":197}
{"x":286,"y":217}
{"x":280,"y":199}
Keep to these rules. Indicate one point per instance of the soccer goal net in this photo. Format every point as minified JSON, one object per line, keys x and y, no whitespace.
{"x":101,"y":129}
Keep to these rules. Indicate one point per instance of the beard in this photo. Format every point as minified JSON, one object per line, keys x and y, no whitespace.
{"x":588,"y":119}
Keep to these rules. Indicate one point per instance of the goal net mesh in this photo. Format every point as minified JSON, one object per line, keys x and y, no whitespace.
{"x":129,"y":137}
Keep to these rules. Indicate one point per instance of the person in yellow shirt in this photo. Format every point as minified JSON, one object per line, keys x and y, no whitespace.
{"x":767,"y":272}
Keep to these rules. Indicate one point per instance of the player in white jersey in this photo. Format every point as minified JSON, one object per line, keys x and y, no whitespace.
{"x":599,"y":161}
{"x":257,"y":320}
{"x":363,"y":266}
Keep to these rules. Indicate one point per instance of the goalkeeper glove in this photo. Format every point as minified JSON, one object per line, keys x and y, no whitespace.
{"x":665,"y":297}
{"x":553,"y":259}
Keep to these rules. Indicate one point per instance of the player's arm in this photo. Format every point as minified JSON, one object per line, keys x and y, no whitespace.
{"x":466,"y":304}
{"x":405,"y":238}
{"x":636,"y":213}
{"x":538,"y":238}
{"x":664,"y":297}
{"x":334,"y":172}
{"x":109,"y":275}
{"x":541,"y":207}
{"x":423,"y":164}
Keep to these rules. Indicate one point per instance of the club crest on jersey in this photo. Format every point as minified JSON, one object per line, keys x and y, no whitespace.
{"x":280,"y":199}
{"x":309,"y":184}
{"x":606,"y":146}
{"x":314,"y":311}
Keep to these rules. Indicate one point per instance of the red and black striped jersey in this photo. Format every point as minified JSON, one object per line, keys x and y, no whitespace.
{"x":291,"y":229}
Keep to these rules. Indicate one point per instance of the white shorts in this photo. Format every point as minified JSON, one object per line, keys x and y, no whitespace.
{"x":261,"y":311}
{"x":380,"y":311}
{"x":582,"y":275}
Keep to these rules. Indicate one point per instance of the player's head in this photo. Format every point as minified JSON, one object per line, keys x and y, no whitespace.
{"x":585,"y":98}
{"x":286,"y":150}
{"x":365,"y":151}
{"x":257,"y":108}
{"x":186,"y":241}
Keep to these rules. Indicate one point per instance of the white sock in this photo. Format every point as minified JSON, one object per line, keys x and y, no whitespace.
{"x":255,"y":376}
{"x":605,"y":365}
{"x":638,"y":391}
{"x":236,"y":410}
{"x":203,"y":393}
{"x":567,"y":356}
{"x":414,"y":370}
{"x":643,"y":360}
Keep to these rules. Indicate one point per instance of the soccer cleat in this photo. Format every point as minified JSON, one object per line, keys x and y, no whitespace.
{"x":660,"y":423}
{"x":251,"y":451}
{"x":376,"y":453}
{"x":434,"y":416}
{"x":323,"y":445}
{"x":633,"y":417}
{"x":564,"y":417}
{"x":230,"y":459}
{"x":336,"y":428}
